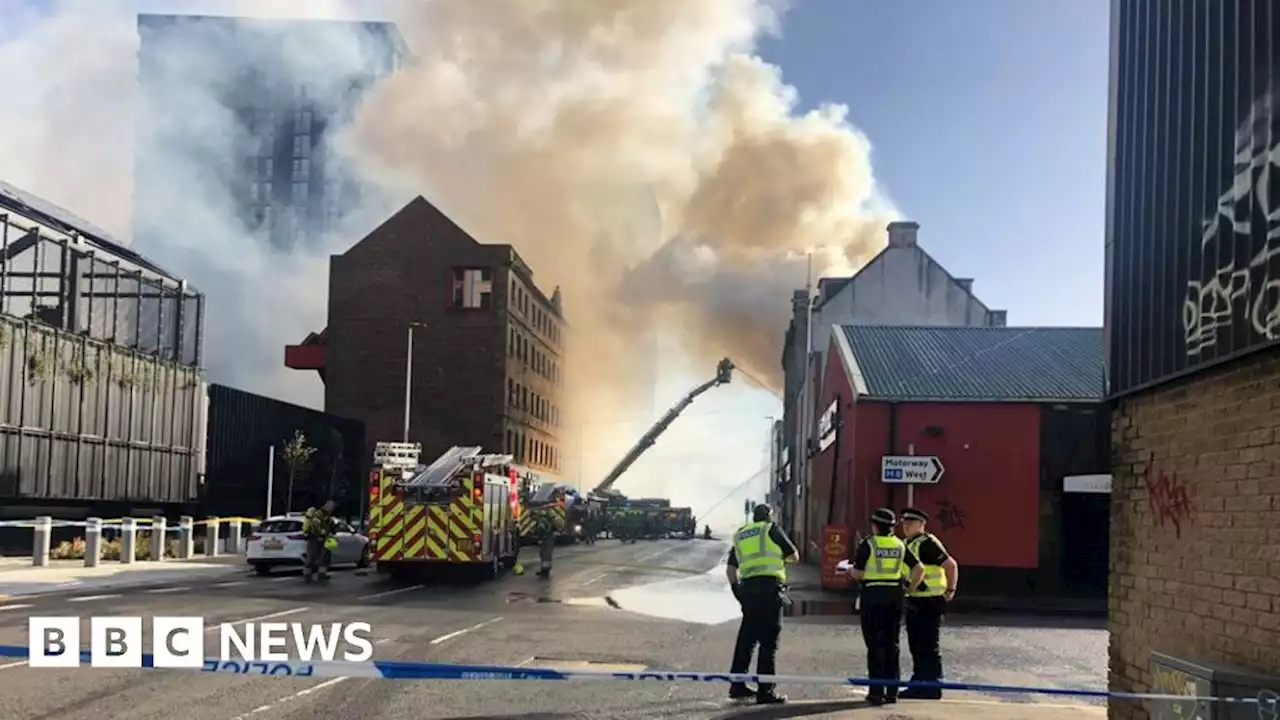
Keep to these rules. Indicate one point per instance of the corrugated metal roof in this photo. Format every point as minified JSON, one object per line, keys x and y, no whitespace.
{"x":979,"y":363}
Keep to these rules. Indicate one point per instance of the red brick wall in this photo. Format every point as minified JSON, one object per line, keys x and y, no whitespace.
{"x":402,"y":272}
{"x":1195,"y":525}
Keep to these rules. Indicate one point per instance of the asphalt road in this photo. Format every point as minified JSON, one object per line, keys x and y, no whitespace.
{"x":514,"y":621}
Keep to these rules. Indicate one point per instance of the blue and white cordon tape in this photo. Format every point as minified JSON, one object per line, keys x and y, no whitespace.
{"x":395,"y":670}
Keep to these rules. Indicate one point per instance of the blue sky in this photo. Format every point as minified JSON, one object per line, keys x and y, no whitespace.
{"x":988,"y":122}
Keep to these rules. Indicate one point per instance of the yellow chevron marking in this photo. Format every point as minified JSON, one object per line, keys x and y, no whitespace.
{"x":416,"y":546}
{"x":434,"y":551}
{"x":392,"y":552}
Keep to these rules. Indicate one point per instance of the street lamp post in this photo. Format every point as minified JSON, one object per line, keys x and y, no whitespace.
{"x":408,"y":378}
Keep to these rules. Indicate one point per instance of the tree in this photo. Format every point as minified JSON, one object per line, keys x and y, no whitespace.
{"x":296,"y":454}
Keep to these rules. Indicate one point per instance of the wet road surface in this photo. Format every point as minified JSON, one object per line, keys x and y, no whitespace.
{"x":667,"y":608}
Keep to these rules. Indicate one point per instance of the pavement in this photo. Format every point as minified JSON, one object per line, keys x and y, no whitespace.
{"x":659,"y":605}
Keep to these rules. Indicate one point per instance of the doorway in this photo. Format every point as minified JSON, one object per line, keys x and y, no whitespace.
{"x":1086,"y":542}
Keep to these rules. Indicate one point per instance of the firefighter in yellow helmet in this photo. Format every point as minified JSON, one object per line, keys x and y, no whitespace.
{"x":321,"y":530}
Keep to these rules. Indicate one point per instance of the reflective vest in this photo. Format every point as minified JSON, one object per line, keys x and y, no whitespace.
{"x":935,"y":579}
{"x":758,"y":555}
{"x":885,"y":567}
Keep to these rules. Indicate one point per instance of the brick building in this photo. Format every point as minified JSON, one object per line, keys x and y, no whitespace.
{"x":488,"y":344}
{"x":1193,"y":368}
{"x":1011,"y":413}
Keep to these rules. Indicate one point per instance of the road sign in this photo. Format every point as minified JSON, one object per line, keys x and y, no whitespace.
{"x":911,"y":469}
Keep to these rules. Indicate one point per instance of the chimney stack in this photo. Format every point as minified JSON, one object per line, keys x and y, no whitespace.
{"x":997,"y":318}
{"x":903,"y":234}
{"x":966,"y":283}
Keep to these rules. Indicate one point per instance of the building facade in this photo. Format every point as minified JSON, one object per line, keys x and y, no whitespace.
{"x":1192,"y":321}
{"x":1012,"y":414}
{"x":254,"y":113}
{"x":902,"y":285}
{"x":488,"y":343}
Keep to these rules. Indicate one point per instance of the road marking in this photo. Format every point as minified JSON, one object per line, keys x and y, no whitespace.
{"x":397,"y":591}
{"x":464,"y":631}
{"x":594,"y":580}
{"x":286,"y":578}
{"x":87,"y":598}
{"x":6,"y":666}
{"x":14,"y":607}
{"x":282,"y":613}
{"x":300,"y":693}
{"x":233,"y":583}
{"x":158,"y":591}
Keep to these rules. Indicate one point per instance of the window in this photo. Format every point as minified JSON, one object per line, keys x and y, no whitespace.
{"x":268,"y":167}
{"x":511,"y":344}
{"x":524,"y":399}
{"x":302,"y":146}
{"x":300,"y":190}
{"x":511,"y":392}
{"x":301,"y":169}
{"x":302,"y":122}
{"x":511,"y":442}
{"x":473,"y":288}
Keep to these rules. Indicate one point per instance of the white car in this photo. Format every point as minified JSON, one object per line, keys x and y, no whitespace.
{"x":279,"y":542}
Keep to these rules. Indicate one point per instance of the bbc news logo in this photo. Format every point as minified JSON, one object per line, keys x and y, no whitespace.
{"x":179,"y":642}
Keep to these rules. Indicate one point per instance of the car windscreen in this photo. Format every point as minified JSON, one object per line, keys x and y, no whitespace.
{"x":280,"y":526}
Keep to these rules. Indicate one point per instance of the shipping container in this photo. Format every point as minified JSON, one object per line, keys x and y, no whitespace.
{"x":245,"y":431}
{"x":1193,"y":221}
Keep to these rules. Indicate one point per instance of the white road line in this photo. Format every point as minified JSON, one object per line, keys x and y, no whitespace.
{"x":159,"y":591}
{"x":464,"y":631}
{"x":6,"y":666}
{"x":15,"y":607}
{"x":282,"y":613}
{"x":233,"y":583}
{"x":595,"y":579}
{"x":390,"y":592}
{"x":87,"y":598}
{"x":286,"y":578}
{"x":300,"y":693}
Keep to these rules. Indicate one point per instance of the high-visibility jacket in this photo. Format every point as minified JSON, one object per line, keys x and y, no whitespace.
{"x":885,"y":567}
{"x":758,"y":555}
{"x":935,"y":578}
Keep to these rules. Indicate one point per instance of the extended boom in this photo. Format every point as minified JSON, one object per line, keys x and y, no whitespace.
{"x":724,"y":373}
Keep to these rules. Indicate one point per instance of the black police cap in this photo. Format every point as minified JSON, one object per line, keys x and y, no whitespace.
{"x":884,"y":515}
{"x":914,"y":514}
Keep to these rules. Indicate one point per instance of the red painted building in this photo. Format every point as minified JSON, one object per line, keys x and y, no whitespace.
{"x":1009,"y":412}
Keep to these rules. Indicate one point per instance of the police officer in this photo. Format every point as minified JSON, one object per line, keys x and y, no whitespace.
{"x":881,"y":563}
{"x":927,"y":605}
{"x":758,"y":575}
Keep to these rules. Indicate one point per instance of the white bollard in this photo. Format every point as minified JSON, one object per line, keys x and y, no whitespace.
{"x":128,"y":540}
{"x":211,"y":537}
{"x":92,"y":542}
{"x":41,"y":537}
{"x":186,"y":537}
{"x":159,"y":528}
{"x":234,"y":545}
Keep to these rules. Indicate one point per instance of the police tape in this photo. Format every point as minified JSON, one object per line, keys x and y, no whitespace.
{"x":140,"y":523}
{"x":400,"y":670}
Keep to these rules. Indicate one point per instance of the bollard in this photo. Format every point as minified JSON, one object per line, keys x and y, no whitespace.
{"x":128,"y":540}
{"x":233,"y":538}
{"x":211,"y":537}
{"x":42,"y":536}
{"x":92,"y":542}
{"x":159,"y":527}
{"x":186,"y":537}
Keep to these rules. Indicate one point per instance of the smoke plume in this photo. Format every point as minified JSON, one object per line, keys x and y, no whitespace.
{"x":640,"y":157}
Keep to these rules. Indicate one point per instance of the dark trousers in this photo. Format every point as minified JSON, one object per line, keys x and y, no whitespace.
{"x":317,"y":557}
{"x":924,"y":625}
{"x":881,"y":616}
{"x":546,"y":552}
{"x":761,"y":625}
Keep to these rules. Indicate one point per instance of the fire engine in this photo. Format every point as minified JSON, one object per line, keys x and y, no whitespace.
{"x":461,"y":510}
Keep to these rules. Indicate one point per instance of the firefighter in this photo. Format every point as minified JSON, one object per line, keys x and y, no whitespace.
{"x":321,"y":531}
{"x":546,"y":522}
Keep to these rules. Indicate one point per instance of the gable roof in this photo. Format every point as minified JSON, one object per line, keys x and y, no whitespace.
{"x":1030,"y":364}
{"x":837,"y":285}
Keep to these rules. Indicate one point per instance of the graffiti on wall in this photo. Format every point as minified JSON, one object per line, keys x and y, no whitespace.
{"x":1230,"y":286}
{"x":950,"y":516}
{"x":1171,"y":681}
{"x":1167,"y":498}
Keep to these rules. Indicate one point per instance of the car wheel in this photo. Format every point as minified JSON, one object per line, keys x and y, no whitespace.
{"x":364,"y":557}
{"x":262,"y":568}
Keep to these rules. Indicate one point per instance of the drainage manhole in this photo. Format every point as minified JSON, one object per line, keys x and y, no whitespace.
{"x":554,"y":663}
{"x":519,"y":597}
